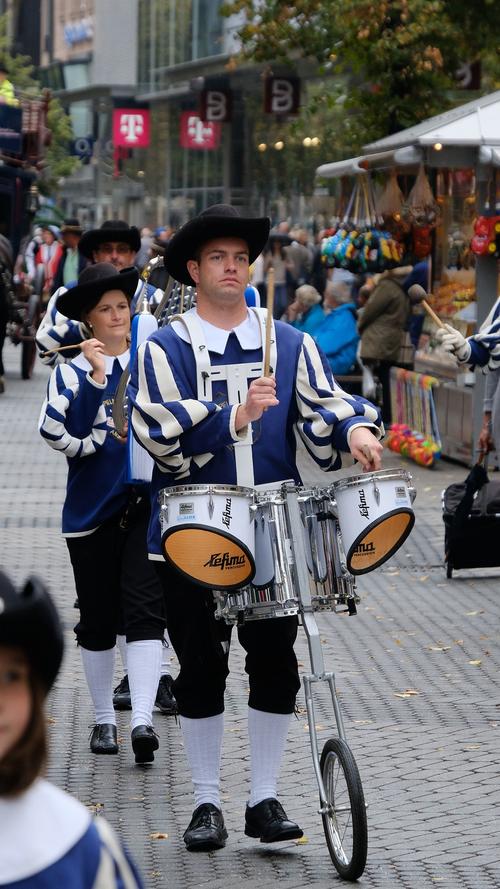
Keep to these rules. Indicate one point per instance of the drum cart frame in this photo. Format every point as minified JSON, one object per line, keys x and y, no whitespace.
{"x":342,"y":803}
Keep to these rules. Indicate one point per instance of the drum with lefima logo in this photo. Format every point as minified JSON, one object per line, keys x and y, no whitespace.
{"x":375,"y":514}
{"x":208,"y":533}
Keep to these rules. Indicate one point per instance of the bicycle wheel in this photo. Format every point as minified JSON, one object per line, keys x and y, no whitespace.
{"x":345,"y":821}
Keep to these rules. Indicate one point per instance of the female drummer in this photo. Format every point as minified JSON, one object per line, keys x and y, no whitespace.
{"x":104,"y":519}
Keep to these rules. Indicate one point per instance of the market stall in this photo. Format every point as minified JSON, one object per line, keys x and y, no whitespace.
{"x":445,"y":174}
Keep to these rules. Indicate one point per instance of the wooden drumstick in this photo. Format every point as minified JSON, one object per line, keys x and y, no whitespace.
{"x":432,"y":314}
{"x":269,"y":322}
{"x":418,"y":294}
{"x":62,"y":349}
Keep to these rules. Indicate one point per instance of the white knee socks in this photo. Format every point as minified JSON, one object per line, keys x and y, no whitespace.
{"x":166,"y":655}
{"x":203,"y":743}
{"x":121,"y":642}
{"x":143,"y":664}
{"x":267,"y":733}
{"x":99,"y":668}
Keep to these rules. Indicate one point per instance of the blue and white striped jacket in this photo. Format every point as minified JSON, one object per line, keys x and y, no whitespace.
{"x":76,"y":419}
{"x":485,"y":344}
{"x":191,"y":440}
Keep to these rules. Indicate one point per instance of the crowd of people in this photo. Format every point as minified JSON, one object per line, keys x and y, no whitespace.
{"x":195,"y":434}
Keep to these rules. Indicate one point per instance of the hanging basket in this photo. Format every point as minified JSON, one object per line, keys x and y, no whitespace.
{"x":421,"y":208}
{"x":361,"y":243}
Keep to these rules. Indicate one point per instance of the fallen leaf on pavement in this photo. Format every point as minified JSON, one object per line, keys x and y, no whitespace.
{"x":157,"y":835}
{"x":475,"y":663}
{"x":302,"y":841}
{"x":408,"y":693}
{"x":438,"y":648}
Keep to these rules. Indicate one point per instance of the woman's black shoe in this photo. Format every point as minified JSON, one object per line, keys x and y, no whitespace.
{"x":268,"y":822}
{"x":144,"y":743}
{"x":206,"y":829}
{"x":103,"y":739}
{"x":165,"y":700}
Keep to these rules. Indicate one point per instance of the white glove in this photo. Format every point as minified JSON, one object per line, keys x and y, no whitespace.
{"x":453,"y":341}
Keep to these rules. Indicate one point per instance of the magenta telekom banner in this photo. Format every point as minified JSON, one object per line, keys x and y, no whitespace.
{"x":199,"y":134}
{"x":130,"y":128}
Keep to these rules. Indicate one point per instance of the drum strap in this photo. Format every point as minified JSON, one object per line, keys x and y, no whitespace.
{"x":236,"y":377}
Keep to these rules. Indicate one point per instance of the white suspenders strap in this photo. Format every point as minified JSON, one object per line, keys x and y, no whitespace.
{"x":201,"y":355}
{"x":237,"y":388}
{"x":262,"y":319}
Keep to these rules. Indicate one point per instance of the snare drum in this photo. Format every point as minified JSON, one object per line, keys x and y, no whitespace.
{"x":208,"y":533}
{"x":375,"y":515}
{"x":272,"y":590}
{"x":331,"y":585}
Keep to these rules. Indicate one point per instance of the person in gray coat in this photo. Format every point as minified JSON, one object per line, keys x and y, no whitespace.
{"x":381,"y":326}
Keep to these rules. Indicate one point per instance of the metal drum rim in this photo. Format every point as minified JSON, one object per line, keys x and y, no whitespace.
{"x":367,"y":477}
{"x":177,"y":490}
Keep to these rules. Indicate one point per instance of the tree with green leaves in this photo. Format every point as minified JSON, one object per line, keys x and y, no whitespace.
{"x":57,"y":161}
{"x":388,"y":64}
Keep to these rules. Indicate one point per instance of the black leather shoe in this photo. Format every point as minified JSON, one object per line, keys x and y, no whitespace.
{"x":144,"y":743}
{"x":268,"y":822}
{"x":103,"y":739}
{"x":206,"y":829}
{"x":165,"y":700}
{"x":121,"y":695}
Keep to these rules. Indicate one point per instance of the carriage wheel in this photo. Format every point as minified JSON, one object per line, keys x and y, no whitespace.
{"x":345,"y":821}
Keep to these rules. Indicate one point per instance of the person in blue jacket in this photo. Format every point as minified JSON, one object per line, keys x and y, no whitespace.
{"x":305,"y":313}
{"x":337,"y":336}
{"x":47,"y":838}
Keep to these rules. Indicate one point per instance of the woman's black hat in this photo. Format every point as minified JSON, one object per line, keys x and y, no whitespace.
{"x":111,"y":230}
{"x":29,"y":620}
{"x":93,"y":281}
{"x":218,"y":221}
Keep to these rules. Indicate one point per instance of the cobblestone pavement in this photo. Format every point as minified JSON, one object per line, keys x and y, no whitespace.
{"x":429,"y":760}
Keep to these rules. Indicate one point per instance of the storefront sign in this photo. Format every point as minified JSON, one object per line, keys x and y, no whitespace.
{"x":83,"y":148}
{"x":282,"y":95}
{"x":198,"y":134}
{"x":216,"y":105}
{"x":131,"y":127}
{"x":10,"y":129}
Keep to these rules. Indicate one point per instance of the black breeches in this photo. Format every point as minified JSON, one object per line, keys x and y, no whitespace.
{"x":116,"y":584}
{"x":201,"y":644}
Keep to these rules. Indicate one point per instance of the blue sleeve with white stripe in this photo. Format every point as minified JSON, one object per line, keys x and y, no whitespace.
{"x":73,"y":418}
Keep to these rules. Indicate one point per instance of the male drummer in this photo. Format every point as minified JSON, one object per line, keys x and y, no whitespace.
{"x":185,"y":413}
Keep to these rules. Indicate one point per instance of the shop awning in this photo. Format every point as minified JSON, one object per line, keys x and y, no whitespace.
{"x":402,"y":157}
{"x":475,"y":125}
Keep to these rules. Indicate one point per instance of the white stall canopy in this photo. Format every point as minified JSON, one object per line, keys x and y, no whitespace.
{"x":438,"y":141}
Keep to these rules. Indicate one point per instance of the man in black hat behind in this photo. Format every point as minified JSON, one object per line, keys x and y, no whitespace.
{"x":115,"y":242}
{"x":72,"y":261}
{"x":203,"y":409}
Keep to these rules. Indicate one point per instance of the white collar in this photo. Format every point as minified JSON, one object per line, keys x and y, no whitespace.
{"x":81,"y":362}
{"x":248,"y":333}
{"x":39,"y":827}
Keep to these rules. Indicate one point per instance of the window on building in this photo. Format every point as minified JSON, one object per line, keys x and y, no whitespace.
{"x":175,"y":31}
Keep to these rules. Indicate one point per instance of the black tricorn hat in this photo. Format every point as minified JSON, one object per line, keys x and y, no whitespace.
{"x":111,"y":230}
{"x":93,"y":281}
{"x":29,"y":620}
{"x":218,"y":221}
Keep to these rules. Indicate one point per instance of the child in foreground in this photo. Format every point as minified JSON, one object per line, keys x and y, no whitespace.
{"x":47,"y":838}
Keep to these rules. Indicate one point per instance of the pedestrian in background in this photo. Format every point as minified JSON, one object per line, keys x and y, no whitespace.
{"x":47,"y":838}
{"x":7,"y":92}
{"x":381,"y":326}
{"x":71,"y":262}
